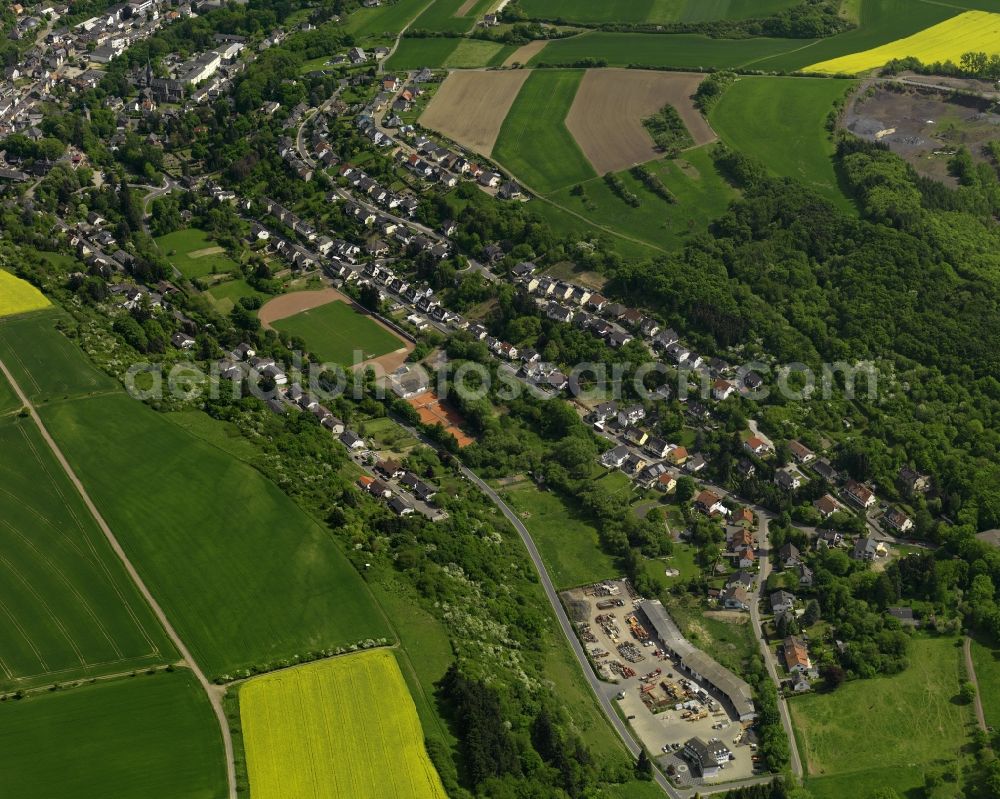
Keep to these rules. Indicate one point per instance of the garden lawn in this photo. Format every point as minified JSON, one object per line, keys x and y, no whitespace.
{"x":45,"y":363}
{"x":153,"y":737}
{"x":19,"y":296}
{"x":194,"y":254}
{"x":884,"y":732}
{"x":534,"y":142}
{"x":340,"y":727}
{"x":782,"y":123}
{"x":333,"y":332}
{"x":67,"y":607}
{"x":701,"y":192}
{"x":246,"y":577}
{"x":569,"y":545}
{"x":225,"y":295}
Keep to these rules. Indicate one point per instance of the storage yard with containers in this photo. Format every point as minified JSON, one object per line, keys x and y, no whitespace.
{"x":692,"y":713}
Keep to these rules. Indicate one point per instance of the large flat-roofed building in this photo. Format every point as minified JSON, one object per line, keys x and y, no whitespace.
{"x":733,"y":690}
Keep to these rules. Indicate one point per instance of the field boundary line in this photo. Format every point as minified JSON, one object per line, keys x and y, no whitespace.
{"x":214,"y":695}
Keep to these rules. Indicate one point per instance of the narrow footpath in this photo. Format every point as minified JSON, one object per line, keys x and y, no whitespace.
{"x":214,"y":693}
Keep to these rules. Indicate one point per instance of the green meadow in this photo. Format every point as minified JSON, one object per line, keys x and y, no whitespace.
{"x":655,"y":11}
{"x":149,"y":736}
{"x":782,"y":123}
{"x":534,"y":142}
{"x":887,"y":731}
{"x":67,"y":608}
{"x":333,"y":332}
{"x":194,"y":254}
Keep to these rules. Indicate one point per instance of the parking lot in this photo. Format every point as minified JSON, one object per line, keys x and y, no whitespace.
{"x":665,"y":707}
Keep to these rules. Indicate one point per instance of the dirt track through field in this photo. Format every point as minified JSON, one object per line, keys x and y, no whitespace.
{"x":465,"y":8}
{"x":470,"y":106}
{"x":524,"y":53}
{"x":286,"y":305}
{"x":607,"y":113}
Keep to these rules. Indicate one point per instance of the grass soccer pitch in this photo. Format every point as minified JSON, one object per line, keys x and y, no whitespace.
{"x":973,"y":31}
{"x":336,"y":728}
{"x":332,"y":332}
{"x":19,"y":296}
{"x":149,"y":736}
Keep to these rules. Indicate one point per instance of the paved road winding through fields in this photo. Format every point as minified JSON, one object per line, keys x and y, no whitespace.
{"x":214,"y":693}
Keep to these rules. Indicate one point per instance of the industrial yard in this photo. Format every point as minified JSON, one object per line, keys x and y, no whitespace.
{"x":673,"y":695}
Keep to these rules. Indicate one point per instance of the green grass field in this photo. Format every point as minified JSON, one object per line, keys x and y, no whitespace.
{"x":243,"y":573}
{"x":340,"y":727}
{"x":686,"y":51}
{"x":384,"y":21}
{"x":67,"y":608}
{"x":472,"y":53}
{"x":568,"y":545}
{"x":335,"y":330}
{"x":656,"y":11}
{"x":194,"y":254}
{"x":534,"y":142}
{"x":225,"y":295}
{"x":45,"y":363}
{"x":153,"y":737}
{"x":8,"y":399}
{"x":440,"y":16}
{"x":987,"y":662}
{"x":884,"y":732}
{"x":448,"y":53}
{"x":702,"y":195}
{"x":781,"y":122}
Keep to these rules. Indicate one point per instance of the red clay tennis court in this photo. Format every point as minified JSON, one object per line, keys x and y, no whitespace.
{"x":432,"y":411}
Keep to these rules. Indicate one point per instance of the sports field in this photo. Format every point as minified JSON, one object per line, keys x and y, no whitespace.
{"x":333,"y":332}
{"x":884,"y":732}
{"x":45,"y":363}
{"x":245,"y":576}
{"x":19,"y":296}
{"x":153,"y":737}
{"x":973,"y":31}
{"x":656,"y":11}
{"x":781,"y":122}
{"x":534,"y":142}
{"x":67,"y":608}
{"x":336,"y":728}
{"x":194,"y":254}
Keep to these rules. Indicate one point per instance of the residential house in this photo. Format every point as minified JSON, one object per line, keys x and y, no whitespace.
{"x":710,"y":503}
{"x":707,"y":756}
{"x":788,"y":478}
{"x":631,"y":415}
{"x":614,"y":458}
{"x":826,"y":505}
{"x":782,"y":602}
{"x":757,"y":446}
{"x":897,"y":520}
{"x":912,"y":481}
{"x":789,"y":556}
{"x":859,"y":495}
{"x":801,"y":452}
{"x":796,"y":655}
{"x":869,"y":549}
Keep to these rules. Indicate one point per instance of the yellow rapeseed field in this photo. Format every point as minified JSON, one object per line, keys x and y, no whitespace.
{"x":334,"y":729}
{"x":18,"y":296}
{"x":973,"y":31}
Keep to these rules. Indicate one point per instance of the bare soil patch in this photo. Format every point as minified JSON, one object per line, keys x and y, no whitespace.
{"x":470,"y":106}
{"x":287,"y":305}
{"x":923,"y":126}
{"x":465,"y":8}
{"x":524,"y":53}
{"x":205,"y":251}
{"x":607,"y":113}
